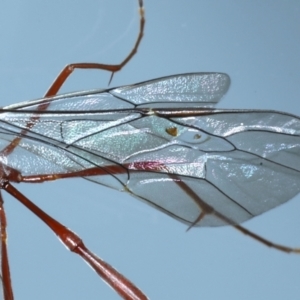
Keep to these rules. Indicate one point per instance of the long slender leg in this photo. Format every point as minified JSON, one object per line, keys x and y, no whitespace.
{"x":68,"y":70}
{"x":204,"y":207}
{"x":7,"y":286}
{"x":207,"y":209}
{"x":265,"y":241}
{"x":117,"y":281}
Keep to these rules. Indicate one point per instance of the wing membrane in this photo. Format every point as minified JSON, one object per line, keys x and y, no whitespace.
{"x":240,"y":163}
{"x":192,"y":89}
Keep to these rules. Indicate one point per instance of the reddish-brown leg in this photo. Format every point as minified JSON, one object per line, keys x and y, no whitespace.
{"x":157,"y":167}
{"x":117,"y":281}
{"x":207,"y":209}
{"x":68,"y":70}
{"x":124,"y":287}
{"x":7,"y":287}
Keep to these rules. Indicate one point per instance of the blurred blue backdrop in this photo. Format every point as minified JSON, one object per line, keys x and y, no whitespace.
{"x":256,"y":42}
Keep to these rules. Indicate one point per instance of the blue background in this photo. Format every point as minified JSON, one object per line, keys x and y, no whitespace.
{"x":256,"y":42}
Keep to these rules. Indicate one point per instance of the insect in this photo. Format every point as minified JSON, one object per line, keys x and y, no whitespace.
{"x":172,"y":132}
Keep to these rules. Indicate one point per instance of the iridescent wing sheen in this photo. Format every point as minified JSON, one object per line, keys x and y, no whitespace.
{"x":184,"y":90}
{"x":158,"y":141}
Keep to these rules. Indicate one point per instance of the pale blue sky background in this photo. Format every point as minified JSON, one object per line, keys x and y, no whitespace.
{"x":256,"y":42}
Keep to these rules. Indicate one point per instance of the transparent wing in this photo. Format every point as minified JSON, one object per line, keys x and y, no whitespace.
{"x":240,"y":163}
{"x":192,"y":89}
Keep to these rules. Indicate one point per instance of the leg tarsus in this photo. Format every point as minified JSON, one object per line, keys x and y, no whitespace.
{"x":266,"y":242}
{"x":66,"y":72}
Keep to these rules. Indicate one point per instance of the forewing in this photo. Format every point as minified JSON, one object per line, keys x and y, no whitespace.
{"x":235,"y":164}
{"x":239,"y":163}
